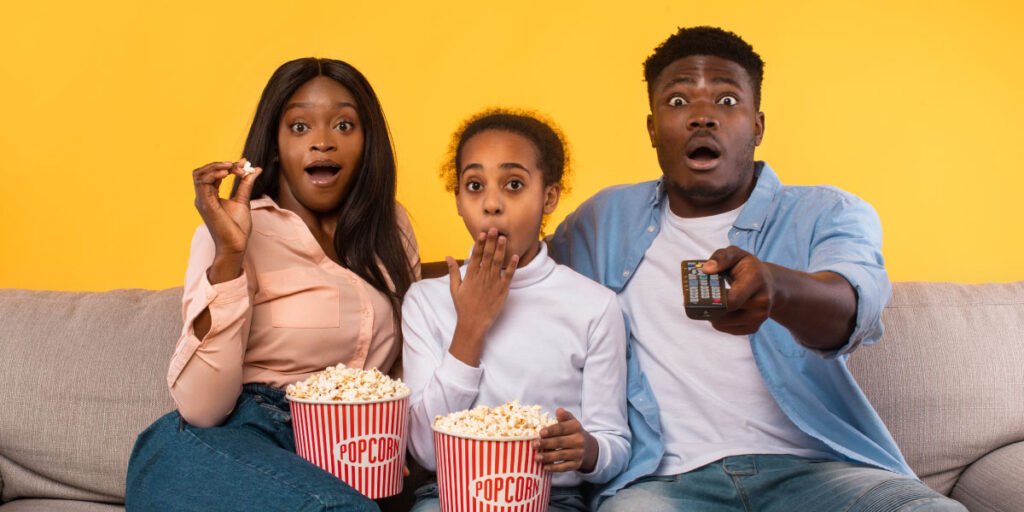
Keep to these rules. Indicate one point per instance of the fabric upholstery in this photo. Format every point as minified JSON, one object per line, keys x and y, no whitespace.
{"x":948,"y":376}
{"x":81,"y":374}
{"x":995,"y":483}
{"x":58,"y":506}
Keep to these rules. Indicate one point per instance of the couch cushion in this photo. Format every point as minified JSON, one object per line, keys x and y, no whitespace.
{"x":995,"y":483}
{"x":948,"y":376}
{"x":81,"y":374}
{"x":58,"y":506}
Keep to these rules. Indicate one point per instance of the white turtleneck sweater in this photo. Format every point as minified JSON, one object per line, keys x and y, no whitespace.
{"x":559,"y":341}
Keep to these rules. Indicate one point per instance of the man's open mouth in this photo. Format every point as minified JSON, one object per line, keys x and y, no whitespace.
{"x":703,"y":155}
{"x":323,"y":172}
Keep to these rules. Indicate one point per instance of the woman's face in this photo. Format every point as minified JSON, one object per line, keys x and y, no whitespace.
{"x":320,"y":144}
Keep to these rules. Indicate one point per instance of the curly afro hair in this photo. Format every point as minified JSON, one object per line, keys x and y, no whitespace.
{"x":706,"y":41}
{"x":552,"y":148}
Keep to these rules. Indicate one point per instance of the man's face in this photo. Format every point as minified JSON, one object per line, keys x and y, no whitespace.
{"x":705,"y":126}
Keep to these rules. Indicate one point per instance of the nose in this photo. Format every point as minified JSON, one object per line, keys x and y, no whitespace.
{"x":493,"y":204}
{"x":323,"y":146}
{"x":702,"y":120}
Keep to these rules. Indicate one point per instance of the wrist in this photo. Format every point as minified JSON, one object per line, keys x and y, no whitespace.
{"x":467,"y":343}
{"x":224,"y":268}
{"x":778,"y":290}
{"x":590,"y":452}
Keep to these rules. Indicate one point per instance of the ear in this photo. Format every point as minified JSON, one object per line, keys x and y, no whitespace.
{"x":758,"y":128}
{"x":650,"y":130}
{"x":551,"y":195}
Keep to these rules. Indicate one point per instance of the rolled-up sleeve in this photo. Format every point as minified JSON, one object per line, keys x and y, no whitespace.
{"x":848,"y":241}
{"x":205,"y":375}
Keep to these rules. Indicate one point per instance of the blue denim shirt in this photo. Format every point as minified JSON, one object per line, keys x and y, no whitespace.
{"x":811,"y":229}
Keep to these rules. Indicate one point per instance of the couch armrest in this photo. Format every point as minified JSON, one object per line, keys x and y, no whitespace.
{"x":994,"y":482}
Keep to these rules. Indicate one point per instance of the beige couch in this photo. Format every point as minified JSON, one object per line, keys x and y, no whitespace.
{"x":82,"y":373}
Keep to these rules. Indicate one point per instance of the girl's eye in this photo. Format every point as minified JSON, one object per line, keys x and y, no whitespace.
{"x":299,"y":127}
{"x":474,"y":186}
{"x":345,"y":126}
{"x":676,"y":101}
{"x":729,"y":101}
{"x":515,"y":185}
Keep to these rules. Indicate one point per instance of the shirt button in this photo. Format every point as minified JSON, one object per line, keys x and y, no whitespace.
{"x":625,"y":273}
{"x":757,"y":225}
{"x":650,"y":229}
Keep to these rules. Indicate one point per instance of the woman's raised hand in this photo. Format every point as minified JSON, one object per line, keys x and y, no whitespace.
{"x":229,"y":220}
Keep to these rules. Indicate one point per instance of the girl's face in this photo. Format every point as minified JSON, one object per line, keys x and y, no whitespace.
{"x":501,"y":187}
{"x":320,"y":145}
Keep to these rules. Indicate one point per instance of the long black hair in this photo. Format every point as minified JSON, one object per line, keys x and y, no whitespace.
{"x":367,"y":235}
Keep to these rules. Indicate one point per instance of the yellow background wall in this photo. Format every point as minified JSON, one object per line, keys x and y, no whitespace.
{"x":108,"y":106}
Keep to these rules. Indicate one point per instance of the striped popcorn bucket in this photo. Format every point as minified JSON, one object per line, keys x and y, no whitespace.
{"x":362,"y":443}
{"x":489,"y":475}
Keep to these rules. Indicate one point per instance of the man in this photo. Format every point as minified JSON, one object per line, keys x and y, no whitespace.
{"x":758,"y":410}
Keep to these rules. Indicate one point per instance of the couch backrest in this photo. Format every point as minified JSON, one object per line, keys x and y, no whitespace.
{"x":948,"y":376}
{"x":81,"y":374}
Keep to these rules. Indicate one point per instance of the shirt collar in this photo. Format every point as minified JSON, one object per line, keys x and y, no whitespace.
{"x":263,"y":202}
{"x":755,"y":211}
{"x":540,"y":267}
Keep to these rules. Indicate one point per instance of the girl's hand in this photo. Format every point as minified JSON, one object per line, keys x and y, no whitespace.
{"x":566,"y":445}
{"x":229,"y":220}
{"x":480,"y":296}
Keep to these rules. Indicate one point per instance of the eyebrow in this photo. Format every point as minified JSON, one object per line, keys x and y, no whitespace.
{"x":715,"y":80}
{"x":310,"y":104}
{"x":507,"y":166}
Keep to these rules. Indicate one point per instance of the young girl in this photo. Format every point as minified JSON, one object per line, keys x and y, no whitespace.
{"x":308,"y":273}
{"x":511,"y":323}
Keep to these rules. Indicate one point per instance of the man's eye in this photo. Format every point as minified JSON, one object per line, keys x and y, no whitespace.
{"x":299,"y":127}
{"x":676,"y":101}
{"x":345,"y":126}
{"x":515,"y":185}
{"x":474,"y":186}
{"x":729,"y":101}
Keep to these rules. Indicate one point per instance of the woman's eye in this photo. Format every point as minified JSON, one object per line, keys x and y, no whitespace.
{"x":515,"y":185}
{"x":345,"y":126}
{"x":676,"y":101}
{"x":474,"y":186}
{"x":728,"y":101}
{"x":299,"y":127}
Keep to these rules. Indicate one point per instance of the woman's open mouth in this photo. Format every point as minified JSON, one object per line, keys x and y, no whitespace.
{"x":323,"y":173}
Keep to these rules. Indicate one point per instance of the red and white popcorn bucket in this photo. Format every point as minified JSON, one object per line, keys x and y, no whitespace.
{"x":362,"y":443}
{"x":489,"y":475}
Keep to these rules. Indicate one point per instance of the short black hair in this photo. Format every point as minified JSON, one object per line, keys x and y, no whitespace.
{"x":552,"y":149}
{"x":705,"y":41}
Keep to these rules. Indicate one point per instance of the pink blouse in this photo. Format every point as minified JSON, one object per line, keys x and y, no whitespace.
{"x":291,"y":313}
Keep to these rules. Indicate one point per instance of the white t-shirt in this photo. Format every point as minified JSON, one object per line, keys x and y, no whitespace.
{"x":712,"y":397}
{"x":559,"y":341}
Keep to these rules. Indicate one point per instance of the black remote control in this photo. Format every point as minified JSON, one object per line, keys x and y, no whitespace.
{"x":703,"y":294}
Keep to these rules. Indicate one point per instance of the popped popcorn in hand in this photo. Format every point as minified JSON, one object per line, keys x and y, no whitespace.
{"x":507,"y":420}
{"x":342,"y":384}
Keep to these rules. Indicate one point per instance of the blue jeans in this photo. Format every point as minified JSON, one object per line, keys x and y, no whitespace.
{"x":563,"y":499}
{"x":248,"y":463}
{"x":780,"y":483}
